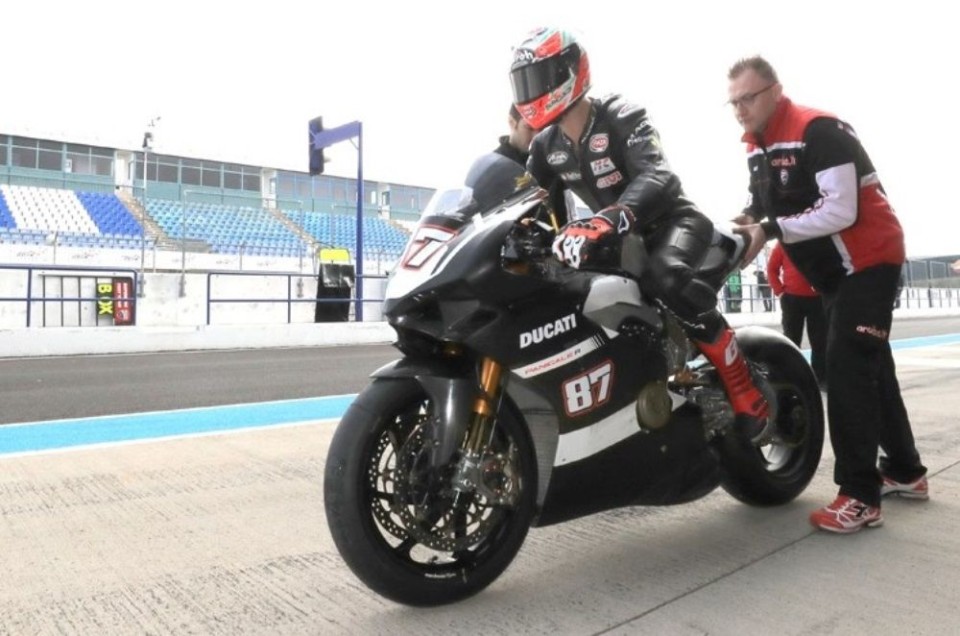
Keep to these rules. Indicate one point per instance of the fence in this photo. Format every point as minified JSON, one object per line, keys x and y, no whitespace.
{"x":44,"y":296}
{"x":751,"y":300}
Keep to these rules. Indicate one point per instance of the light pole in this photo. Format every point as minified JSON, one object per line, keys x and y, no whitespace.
{"x":147,"y":146}
{"x":302,"y":243}
{"x":183,"y":245}
{"x":52,"y":239}
{"x":321,"y":138}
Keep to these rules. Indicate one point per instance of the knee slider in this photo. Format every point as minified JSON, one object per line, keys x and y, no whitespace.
{"x":684,"y":294}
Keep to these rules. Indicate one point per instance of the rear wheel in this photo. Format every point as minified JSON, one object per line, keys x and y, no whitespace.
{"x":400,"y":523}
{"x":779,"y":471}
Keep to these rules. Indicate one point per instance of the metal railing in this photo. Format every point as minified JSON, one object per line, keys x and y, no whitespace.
{"x":294,"y":293}
{"x":29,"y":293}
{"x":751,"y":300}
{"x":65,"y":272}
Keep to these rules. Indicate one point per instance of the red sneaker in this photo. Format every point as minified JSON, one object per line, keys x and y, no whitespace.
{"x":846,"y":515}
{"x":918,"y":489}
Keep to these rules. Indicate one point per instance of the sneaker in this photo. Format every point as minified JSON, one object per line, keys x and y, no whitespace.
{"x":918,"y":489}
{"x":846,"y":515}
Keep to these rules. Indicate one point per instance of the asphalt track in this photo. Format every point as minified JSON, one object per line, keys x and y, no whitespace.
{"x":210,"y":521}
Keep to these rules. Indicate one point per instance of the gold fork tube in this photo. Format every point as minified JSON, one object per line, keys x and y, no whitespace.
{"x":484,"y":408}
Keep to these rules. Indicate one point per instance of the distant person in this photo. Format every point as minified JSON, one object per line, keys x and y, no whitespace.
{"x":733,"y":292}
{"x":607,"y":151}
{"x":813,"y":187}
{"x":516,"y":144}
{"x":763,"y":288}
{"x":800,"y":304}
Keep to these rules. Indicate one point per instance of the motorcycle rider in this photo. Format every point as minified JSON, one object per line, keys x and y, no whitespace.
{"x":608,"y":153}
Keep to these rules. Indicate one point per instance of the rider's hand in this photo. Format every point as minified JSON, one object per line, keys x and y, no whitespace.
{"x":619,"y":216}
{"x":579,"y":243}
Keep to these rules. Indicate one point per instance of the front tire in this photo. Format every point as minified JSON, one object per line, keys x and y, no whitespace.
{"x":396,"y":519}
{"x":778,"y":472}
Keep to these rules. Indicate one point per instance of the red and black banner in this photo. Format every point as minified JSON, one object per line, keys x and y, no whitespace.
{"x":115,"y":298}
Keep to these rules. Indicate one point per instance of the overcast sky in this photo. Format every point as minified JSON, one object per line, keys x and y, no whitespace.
{"x":239,"y":81}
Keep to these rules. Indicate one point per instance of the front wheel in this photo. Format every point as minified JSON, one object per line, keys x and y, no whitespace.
{"x":410,"y":530}
{"x":777,"y":472}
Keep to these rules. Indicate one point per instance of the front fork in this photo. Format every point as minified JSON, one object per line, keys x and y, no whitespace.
{"x":490,"y":475}
{"x":483,"y":415}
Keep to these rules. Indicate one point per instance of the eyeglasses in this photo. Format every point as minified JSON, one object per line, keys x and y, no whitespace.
{"x":748,"y":99}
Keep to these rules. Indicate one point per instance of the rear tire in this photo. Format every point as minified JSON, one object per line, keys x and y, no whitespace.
{"x":396,"y":520}
{"x":778,"y":472}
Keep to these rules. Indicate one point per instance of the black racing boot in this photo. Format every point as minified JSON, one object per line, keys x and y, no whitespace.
{"x":750,"y":408}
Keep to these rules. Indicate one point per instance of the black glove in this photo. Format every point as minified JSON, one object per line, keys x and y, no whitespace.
{"x":583,"y":243}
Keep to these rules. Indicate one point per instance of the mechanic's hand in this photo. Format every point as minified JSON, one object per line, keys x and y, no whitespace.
{"x":755,"y":237}
{"x":579,"y":243}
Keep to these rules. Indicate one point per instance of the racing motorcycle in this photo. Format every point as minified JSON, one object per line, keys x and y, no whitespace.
{"x":530,"y":393}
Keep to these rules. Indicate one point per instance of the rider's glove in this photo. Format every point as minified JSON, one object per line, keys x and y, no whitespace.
{"x":582,"y":243}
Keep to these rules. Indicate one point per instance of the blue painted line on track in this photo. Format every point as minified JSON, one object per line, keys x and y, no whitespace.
{"x":925,"y":341}
{"x":59,"y":434}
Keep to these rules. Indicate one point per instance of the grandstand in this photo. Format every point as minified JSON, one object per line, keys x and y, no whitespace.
{"x":58,"y":193}
{"x":109,"y":206}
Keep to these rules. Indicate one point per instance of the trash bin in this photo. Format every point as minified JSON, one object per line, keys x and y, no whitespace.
{"x":335,"y":283}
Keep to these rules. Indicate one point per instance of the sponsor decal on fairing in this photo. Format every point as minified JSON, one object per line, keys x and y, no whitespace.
{"x":548,"y":331}
{"x":558,"y":360}
{"x":427,"y":242}
{"x":588,"y":391}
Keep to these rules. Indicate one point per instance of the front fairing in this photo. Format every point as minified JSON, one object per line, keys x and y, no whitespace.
{"x":452,"y":281}
{"x":451,"y":247}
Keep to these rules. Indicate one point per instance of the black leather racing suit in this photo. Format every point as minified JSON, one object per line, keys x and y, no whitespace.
{"x":620,"y":161}
{"x":510,"y":151}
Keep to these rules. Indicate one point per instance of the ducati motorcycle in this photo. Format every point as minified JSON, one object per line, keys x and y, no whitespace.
{"x":530,"y":393}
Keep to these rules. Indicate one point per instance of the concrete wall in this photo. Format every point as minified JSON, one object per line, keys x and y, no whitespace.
{"x":59,"y":341}
{"x":169,"y":321}
{"x":101,"y":340}
{"x":256,"y":316}
{"x":170,"y":300}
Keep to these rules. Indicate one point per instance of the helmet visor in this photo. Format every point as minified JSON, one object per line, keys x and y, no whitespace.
{"x":535,"y":80}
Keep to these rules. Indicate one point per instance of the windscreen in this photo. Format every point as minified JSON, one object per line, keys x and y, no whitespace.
{"x":491,"y":180}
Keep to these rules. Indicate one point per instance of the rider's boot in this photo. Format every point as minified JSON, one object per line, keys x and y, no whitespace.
{"x":750,"y":408}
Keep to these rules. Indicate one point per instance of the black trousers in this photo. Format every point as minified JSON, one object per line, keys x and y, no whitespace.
{"x":767,"y":295}
{"x":864,"y":405}
{"x":797,"y":311}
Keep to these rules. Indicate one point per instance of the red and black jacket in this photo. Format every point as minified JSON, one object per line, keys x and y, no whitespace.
{"x":814,"y":183}
{"x":783,"y":276}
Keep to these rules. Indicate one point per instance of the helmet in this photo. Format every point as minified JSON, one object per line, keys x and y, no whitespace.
{"x":550,"y":72}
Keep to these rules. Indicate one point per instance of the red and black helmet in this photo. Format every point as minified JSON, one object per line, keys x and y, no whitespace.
{"x":550,"y":72}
